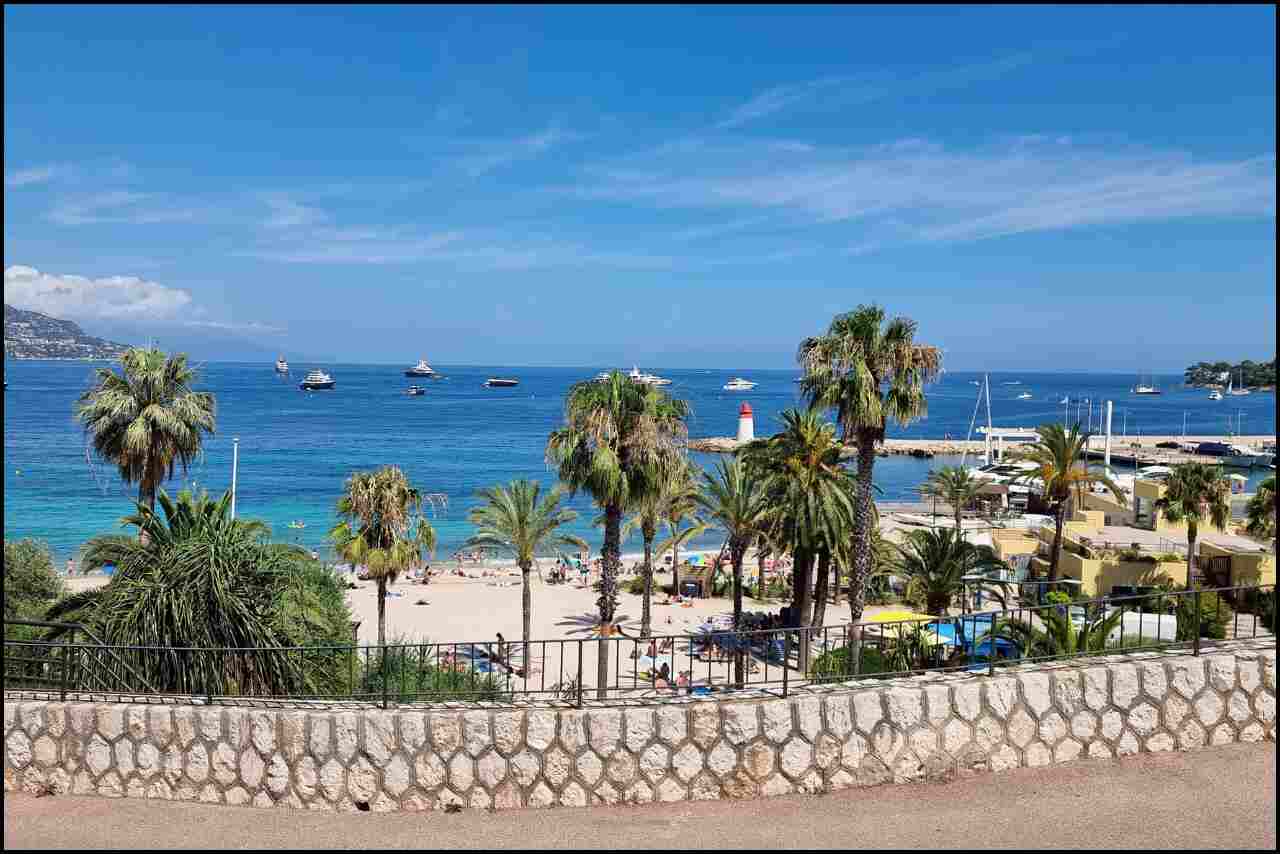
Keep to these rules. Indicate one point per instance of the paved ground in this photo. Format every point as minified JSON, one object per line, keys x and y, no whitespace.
{"x":1216,"y":798}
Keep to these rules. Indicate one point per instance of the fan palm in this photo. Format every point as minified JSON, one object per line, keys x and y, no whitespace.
{"x":518,"y":518}
{"x":1195,"y":494}
{"x":616,"y":436}
{"x":381,"y":526}
{"x":1260,"y":514}
{"x":1062,"y":476}
{"x":935,"y":562}
{"x":734,"y":499}
{"x":813,"y":500}
{"x":869,"y":372}
{"x":146,"y":420}
{"x":955,"y":486}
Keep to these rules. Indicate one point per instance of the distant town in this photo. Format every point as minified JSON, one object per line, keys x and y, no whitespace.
{"x":32,"y":335}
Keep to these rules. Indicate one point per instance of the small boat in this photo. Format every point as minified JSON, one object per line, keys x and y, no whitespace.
{"x":422,"y":369}
{"x":297,"y":523}
{"x":316,"y":380}
{"x":1215,"y":395}
{"x":974,"y":382}
{"x":647,"y":379}
{"x":501,"y":382}
{"x":603,"y":376}
{"x":282,"y":367}
{"x":415,"y":391}
{"x":1237,"y":392}
{"x":1148,"y":387}
{"x":1026,"y":395}
{"x":738,"y":384}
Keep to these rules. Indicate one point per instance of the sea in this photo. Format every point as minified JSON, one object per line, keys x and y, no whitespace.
{"x":296,"y":448}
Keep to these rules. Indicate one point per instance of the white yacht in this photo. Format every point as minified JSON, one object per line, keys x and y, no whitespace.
{"x":316,"y":380}
{"x":738,"y":384}
{"x":1026,"y":395}
{"x":282,"y":367}
{"x":1215,"y":395}
{"x":602,"y":376}
{"x":422,"y":369}
{"x":1148,"y":387}
{"x":647,"y":379}
{"x":1237,"y":392}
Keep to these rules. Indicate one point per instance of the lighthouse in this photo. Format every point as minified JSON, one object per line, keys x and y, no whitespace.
{"x":746,"y":425}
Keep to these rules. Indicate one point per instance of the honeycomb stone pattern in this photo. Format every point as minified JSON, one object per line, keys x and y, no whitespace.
{"x":482,"y":756}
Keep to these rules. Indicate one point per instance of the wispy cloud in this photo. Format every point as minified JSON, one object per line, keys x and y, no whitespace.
{"x":288,"y":213}
{"x":846,"y":91}
{"x":918,"y":191}
{"x":250,"y":327}
{"x":488,"y":156}
{"x":31,"y":176}
{"x":123,"y":206}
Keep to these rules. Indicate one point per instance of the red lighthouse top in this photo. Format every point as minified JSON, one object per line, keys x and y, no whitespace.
{"x":744,"y":409}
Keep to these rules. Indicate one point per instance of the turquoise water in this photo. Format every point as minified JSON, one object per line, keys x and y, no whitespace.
{"x":296,"y":448}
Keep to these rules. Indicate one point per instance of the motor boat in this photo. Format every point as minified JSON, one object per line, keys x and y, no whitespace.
{"x":647,"y":379}
{"x":282,"y":367}
{"x":501,"y":382}
{"x":415,"y":391}
{"x":1215,"y":395}
{"x":316,"y":380}
{"x":1026,"y":395}
{"x":738,"y":384}
{"x":422,"y":369}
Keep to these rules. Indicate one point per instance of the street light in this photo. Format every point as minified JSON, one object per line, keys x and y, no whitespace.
{"x":235,"y":465}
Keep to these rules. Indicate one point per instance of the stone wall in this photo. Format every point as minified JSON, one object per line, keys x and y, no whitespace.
{"x":855,"y":734}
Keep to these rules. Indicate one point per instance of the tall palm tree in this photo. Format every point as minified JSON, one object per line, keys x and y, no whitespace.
{"x":1062,"y":475}
{"x":869,"y":372}
{"x":955,"y":486}
{"x":734,"y":499}
{"x":146,"y":420}
{"x":680,"y":505}
{"x":813,"y":499}
{"x":380,"y":524}
{"x":666,"y":501}
{"x":935,"y":562}
{"x":617,"y":434}
{"x":513,"y":517}
{"x":1260,"y":514}
{"x":1195,"y":493}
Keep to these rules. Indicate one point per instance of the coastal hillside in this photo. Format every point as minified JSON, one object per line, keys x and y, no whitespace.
{"x":1246,"y":374}
{"x":32,"y":335}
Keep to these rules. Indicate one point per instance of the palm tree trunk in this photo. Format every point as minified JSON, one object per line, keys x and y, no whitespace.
{"x":800,"y":599}
{"x":761,"y":554}
{"x":526,"y":608}
{"x":675,"y":565}
{"x":382,"y":614}
{"x":1059,"y":518}
{"x":607,"y":602}
{"x":1191,"y":550}
{"x":959,"y":530}
{"x":862,"y":516}
{"x":646,"y":622}
{"x":821,"y":587}
{"x":736,"y":553}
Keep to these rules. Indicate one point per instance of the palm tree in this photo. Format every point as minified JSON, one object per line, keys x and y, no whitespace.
{"x":1056,"y":636}
{"x":868,"y":372}
{"x":1195,"y":493}
{"x":617,"y":435}
{"x":666,"y":502}
{"x":512,"y":517}
{"x":734,"y":498}
{"x":146,"y":420}
{"x":812,"y":498}
{"x":935,"y":562}
{"x":955,"y":486}
{"x":215,"y":595}
{"x":1062,"y":476}
{"x":380,"y":524}
{"x":1260,"y":514}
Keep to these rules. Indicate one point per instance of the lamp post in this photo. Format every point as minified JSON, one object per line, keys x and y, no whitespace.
{"x":235,"y":465}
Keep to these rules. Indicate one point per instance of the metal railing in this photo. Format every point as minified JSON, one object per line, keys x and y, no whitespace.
{"x":623,"y":667}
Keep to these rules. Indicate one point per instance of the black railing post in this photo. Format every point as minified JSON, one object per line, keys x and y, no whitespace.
{"x":63,"y":679}
{"x":786,"y":662}
{"x":1195,"y":642}
{"x":579,"y":674}
{"x":382,"y":665}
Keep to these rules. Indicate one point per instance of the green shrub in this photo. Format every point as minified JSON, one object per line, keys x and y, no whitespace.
{"x":414,"y":674}
{"x":634,"y":585}
{"x":1215,"y":614}
{"x":30,"y":582}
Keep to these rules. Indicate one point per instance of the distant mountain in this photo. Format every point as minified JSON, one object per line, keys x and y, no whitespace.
{"x":32,"y":335}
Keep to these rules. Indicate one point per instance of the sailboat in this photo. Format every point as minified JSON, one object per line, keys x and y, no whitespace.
{"x":1237,"y":392}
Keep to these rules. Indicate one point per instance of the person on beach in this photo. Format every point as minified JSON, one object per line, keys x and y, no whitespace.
{"x":663,"y":679}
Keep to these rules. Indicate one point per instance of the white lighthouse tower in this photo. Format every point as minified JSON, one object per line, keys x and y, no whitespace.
{"x":746,"y":424}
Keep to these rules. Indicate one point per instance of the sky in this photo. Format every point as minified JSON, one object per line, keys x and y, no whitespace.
{"x":1040,"y":188}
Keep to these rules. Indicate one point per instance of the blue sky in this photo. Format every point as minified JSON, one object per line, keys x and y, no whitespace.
{"x":1041,"y":188}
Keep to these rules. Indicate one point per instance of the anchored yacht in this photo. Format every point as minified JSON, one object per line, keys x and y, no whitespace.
{"x":738,"y":384}
{"x":501,"y":382}
{"x":282,"y":367}
{"x":316,"y":380}
{"x":422,"y":369}
{"x":647,"y":379}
